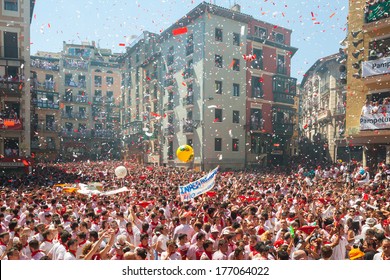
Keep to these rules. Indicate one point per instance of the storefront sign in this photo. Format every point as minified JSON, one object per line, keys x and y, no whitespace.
{"x":376,"y":67}
{"x":10,"y":124}
{"x":375,"y":121}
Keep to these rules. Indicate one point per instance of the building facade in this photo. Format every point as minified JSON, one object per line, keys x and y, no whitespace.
{"x":77,"y":101}
{"x":368,"y":80}
{"x":322,"y":119}
{"x":15,"y":107}
{"x":197,"y":88}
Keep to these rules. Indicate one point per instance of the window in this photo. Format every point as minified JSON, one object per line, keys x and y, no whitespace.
{"x":236,"y":64}
{"x":109,"y":81}
{"x":218,"y":34}
{"x":258,"y":62}
{"x":236,"y":89}
{"x":11,"y":5}
{"x":98,"y":81}
{"x":11,"y":49}
{"x":170,"y":55}
{"x":256,"y":120}
{"x":236,"y":39}
{"x":235,"y":145}
{"x":218,"y":144}
{"x":257,"y":87}
{"x":279,"y":38}
{"x":236,"y":116}
{"x":68,"y":79}
{"x":281,"y":68}
{"x":260,"y":32}
{"x":190,"y":44}
{"x":218,"y":115}
{"x":284,"y":85}
{"x":170,"y":150}
{"x":218,"y":60}
{"x":189,"y":142}
{"x":218,"y":87}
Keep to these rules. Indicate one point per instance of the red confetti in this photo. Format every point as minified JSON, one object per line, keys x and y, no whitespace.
{"x":317,"y":22}
{"x":148,"y":78}
{"x":48,"y":25}
{"x":179,"y":31}
{"x":216,"y":120}
{"x":332,"y":15}
{"x":312,"y":14}
{"x":184,"y":84}
{"x":122,"y":44}
{"x":25,"y":162}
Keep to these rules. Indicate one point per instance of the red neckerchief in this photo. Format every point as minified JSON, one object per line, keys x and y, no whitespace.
{"x":117,"y":230}
{"x":34,"y":253}
{"x":198,"y":254}
{"x":47,"y":240}
{"x":25,"y":245}
{"x":73,"y":252}
{"x":252,"y":248}
{"x":119,"y":257}
{"x":82,"y":243}
{"x":96,"y":257}
{"x":2,"y":243}
{"x":143,"y":246}
{"x":130,"y":232}
{"x":209,"y":255}
{"x":261,"y":231}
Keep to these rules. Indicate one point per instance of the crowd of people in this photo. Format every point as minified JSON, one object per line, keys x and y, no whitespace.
{"x":336,"y":212}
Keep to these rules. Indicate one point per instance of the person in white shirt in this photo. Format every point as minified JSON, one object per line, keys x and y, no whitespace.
{"x":385,"y":254}
{"x":222,"y":250}
{"x":183,"y":228}
{"x":36,"y":254}
{"x":58,"y":250}
{"x":161,"y":243}
{"x":47,"y":242}
{"x":367,"y":108}
{"x":70,"y":254}
{"x":171,"y":253}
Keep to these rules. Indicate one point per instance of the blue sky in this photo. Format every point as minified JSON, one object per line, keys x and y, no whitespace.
{"x":318,"y":26}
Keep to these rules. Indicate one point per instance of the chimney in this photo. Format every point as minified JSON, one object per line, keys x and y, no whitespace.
{"x":236,"y":8}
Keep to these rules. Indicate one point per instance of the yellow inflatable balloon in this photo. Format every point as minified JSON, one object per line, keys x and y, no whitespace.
{"x":185,"y":153}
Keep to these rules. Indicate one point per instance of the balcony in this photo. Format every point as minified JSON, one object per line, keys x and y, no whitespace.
{"x":35,"y":145}
{"x":76,"y":99}
{"x":10,"y":123}
{"x":339,"y":111}
{"x":169,"y":83}
{"x":76,"y":116}
{"x":284,"y":98}
{"x":169,"y":131}
{"x":188,"y":74}
{"x":47,"y":85}
{"x":284,"y":129}
{"x":188,"y":101}
{"x":46,"y":128}
{"x":46,"y":104}
{"x":188,"y":129}
{"x":323,"y":114}
{"x":168,"y":107}
{"x":11,"y":88}
{"x":256,"y":125}
{"x":98,"y":100}
{"x":104,"y":133}
{"x":46,"y":63}
{"x":70,"y":133}
{"x":257,"y":92}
